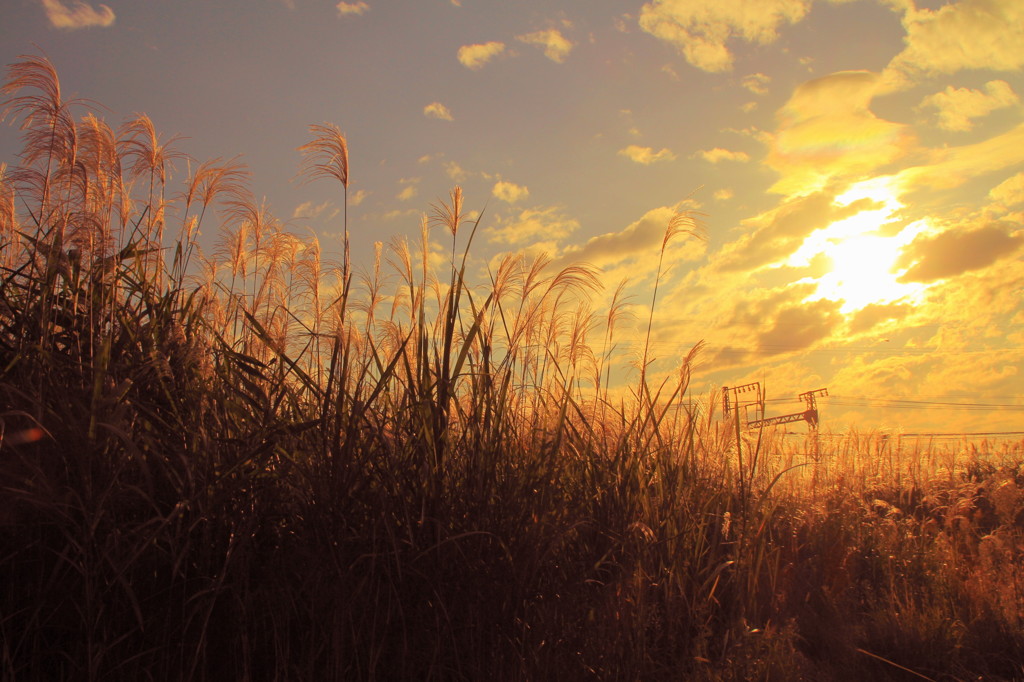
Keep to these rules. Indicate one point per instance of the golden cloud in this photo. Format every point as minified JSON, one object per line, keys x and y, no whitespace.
{"x":975,"y":305}
{"x":718,"y":154}
{"x":958,"y":106}
{"x":779,"y":232}
{"x":1010,"y":191}
{"x":827,"y":131}
{"x":756,"y":83}
{"x":888,"y":375}
{"x":641,"y":238}
{"x":952,"y":166}
{"x":646,"y":155}
{"x":800,"y":327}
{"x":509,"y":191}
{"x":310,"y":210}
{"x":477,"y":55}
{"x":700,"y":29}
{"x":437,"y":110}
{"x":556,"y":46}
{"x":874,"y":314}
{"x":78,"y":15}
{"x":353,"y":8}
{"x":958,"y":250}
{"x":409,"y":190}
{"x":970,"y":34}
{"x":532,"y":225}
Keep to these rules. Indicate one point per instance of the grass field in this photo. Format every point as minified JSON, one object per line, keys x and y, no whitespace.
{"x":252,"y":464}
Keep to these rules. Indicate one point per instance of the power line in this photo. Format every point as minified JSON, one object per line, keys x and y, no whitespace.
{"x":908,"y":404}
{"x":942,"y":434}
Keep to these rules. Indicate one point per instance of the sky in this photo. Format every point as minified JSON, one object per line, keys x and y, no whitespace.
{"x":857,"y":165}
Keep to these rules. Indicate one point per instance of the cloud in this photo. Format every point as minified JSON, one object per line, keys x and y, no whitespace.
{"x":78,"y":15}
{"x":437,"y":110}
{"x":781,"y":231}
{"x":724,"y":194}
{"x":874,"y":314}
{"x":718,"y":154}
{"x":354,"y":8}
{"x":1009,"y":191}
{"x":699,"y":29}
{"x":889,"y":375}
{"x":310,"y":210}
{"x":950,"y":167}
{"x":827,"y":130}
{"x":477,"y":55}
{"x":639,"y":239}
{"x":509,"y":191}
{"x":532,"y":225}
{"x":958,"y":250}
{"x":397,"y":214}
{"x":454,"y":171}
{"x":957,"y":106}
{"x":970,"y":34}
{"x":756,"y":83}
{"x":358,"y":197}
{"x":646,"y":155}
{"x":556,"y":46}
{"x":799,"y":327}
{"x":410,"y":189}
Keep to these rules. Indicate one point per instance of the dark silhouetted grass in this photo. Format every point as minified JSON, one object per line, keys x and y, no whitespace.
{"x":253,"y":464}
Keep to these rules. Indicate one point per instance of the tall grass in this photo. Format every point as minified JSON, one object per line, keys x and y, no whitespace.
{"x":256,"y":464}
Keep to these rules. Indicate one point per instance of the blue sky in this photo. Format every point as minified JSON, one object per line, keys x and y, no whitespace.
{"x":859,"y":164}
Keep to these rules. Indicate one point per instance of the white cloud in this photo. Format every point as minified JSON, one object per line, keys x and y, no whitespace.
{"x":699,"y":29}
{"x":724,"y":194}
{"x":556,"y":46}
{"x":78,"y":15}
{"x":509,"y":191}
{"x":355,"y":8}
{"x":646,"y":155}
{"x":958,"y":106}
{"x":437,"y":110}
{"x":475,"y":56}
{"x":718,"y":154}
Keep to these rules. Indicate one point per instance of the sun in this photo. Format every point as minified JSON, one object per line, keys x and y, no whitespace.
{"x":863,"y":258}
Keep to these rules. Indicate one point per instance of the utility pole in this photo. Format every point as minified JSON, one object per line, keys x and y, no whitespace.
{"x":741,"y":399}
{"x":752,"y":396}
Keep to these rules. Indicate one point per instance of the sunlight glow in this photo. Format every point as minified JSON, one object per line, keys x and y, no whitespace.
{"x":863,"y":260}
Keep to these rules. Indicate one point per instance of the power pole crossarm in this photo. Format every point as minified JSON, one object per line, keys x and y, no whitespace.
{"x":809,"y":416}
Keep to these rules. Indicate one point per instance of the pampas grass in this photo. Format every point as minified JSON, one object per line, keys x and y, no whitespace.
{"x":252,"y":464}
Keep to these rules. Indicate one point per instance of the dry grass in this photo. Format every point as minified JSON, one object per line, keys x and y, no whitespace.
{"x":256,"y":464}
